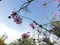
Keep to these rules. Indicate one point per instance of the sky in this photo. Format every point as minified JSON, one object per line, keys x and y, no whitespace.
{"x":11,"y":33}
{"x":37,"y":13}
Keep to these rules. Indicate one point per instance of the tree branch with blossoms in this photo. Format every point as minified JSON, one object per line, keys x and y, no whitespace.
{"x":18,"y":19}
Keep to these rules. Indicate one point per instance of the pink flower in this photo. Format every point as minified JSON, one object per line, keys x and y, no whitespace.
{"x":45,"y":39}
{"x":32,"y":25}
{"x":58,"y":0}
{"x":18,"y":19}
{"x":25,"y":35}
{"x":56,"y":28}
{"x":54,"y":14}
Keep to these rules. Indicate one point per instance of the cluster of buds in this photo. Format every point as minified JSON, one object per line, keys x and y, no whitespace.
{"x":16,"y":17}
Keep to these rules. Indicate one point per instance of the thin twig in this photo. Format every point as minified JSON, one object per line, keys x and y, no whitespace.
{"x":50,"y":1}
{"x":24,"y":5}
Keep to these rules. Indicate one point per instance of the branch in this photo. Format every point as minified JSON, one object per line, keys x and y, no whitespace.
{"x":24,"y":5}
{"x":50,"y":31}
{"x":51,"y":1}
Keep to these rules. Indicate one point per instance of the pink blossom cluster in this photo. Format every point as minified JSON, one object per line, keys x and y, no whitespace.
{"x":25,"y":35}
{"x":16,"y":17}
{"x":32,"y":25}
